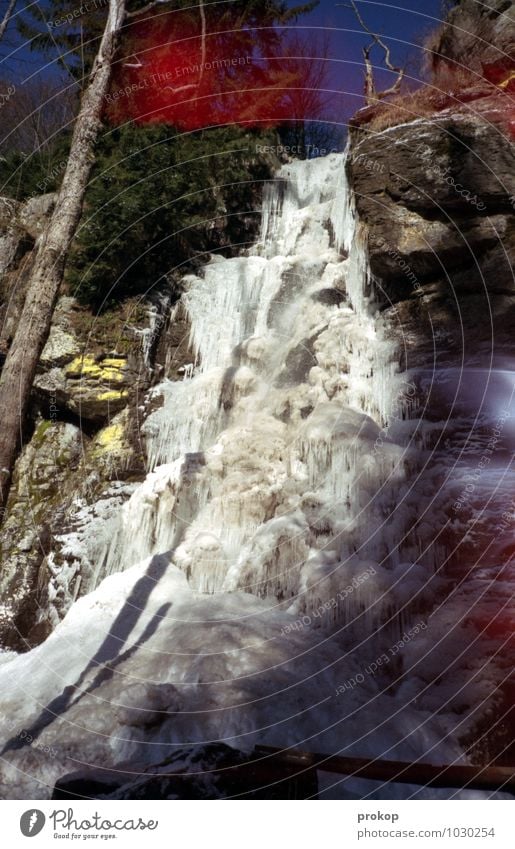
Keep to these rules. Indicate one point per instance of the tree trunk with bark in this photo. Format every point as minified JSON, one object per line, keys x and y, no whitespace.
{"x":46,"y":278}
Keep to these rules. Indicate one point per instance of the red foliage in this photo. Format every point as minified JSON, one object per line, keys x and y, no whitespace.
{"x":178,"y":76}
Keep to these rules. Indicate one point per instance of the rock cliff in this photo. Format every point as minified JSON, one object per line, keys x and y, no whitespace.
{"x":436,"y":193}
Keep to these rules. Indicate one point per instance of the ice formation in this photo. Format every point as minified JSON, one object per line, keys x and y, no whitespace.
{"x":279,"y":411}
{"x":280,"y":542}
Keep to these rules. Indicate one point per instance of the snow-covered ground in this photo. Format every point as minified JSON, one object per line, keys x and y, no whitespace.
{"x":144,"y":665}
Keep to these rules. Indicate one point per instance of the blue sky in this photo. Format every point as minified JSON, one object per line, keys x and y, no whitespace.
{"x":403,"y":21}
{"x":403,"y":24}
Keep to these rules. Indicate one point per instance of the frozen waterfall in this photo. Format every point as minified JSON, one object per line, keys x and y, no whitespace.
{"x":262,"y":460}
{"x":289,"y":464}
{"x":274,"y":571}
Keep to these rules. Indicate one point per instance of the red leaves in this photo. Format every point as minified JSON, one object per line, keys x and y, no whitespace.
{"x":176,"y":73}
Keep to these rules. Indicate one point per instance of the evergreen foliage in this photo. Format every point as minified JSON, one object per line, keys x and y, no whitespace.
{"x":23,"y":176}
{"x":157,"y":199}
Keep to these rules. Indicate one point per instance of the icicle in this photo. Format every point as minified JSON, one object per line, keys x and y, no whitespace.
{"x":188,"y":420}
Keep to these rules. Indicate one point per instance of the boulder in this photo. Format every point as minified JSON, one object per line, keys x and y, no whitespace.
{"x":35,"y":212}
{"x":437,"y":197}
{"x":457,"y":161}
{"x":81,"y":374}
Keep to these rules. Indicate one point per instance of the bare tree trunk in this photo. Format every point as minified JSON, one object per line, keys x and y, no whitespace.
{"x":46,"y":278}
{"x":7,"y":17}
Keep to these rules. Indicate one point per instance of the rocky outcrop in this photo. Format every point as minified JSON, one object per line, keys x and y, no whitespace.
{"x":430,"y":187}
{"x":45,"y":466}
{"x":173,"y":351}
{"x":90,"y":364}
{"x":476,"y":34}
{"x":91,"y":389}
{"x":83,"y":452}
{"x":437,"y":198}
{"x":84,"y":403}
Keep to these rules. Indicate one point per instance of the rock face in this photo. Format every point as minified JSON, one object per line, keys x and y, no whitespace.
{"x":82,"y":451}
{"x":173,"y":352}
{"x":476,"y":34}
{"x":41,"y":473}
{"x":424,"y":186}
{"x":92,"y":389}
{"x":81,"y":372}
{"x":437,"y":197}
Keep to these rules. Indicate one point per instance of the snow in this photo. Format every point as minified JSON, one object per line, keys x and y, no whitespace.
{"x":144,"y":665}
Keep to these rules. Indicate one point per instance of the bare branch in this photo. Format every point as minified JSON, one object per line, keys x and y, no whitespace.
{"x":137,"y":64}
{"x":371,"y":93}
{"x":370,"y":89}
{"x":144,"y":9}
{"x":203,"y":49}
{"x":181,"y":88}
{"x":7,"y":17}
{"x":189,"y":86}
{"x":394,"y":89}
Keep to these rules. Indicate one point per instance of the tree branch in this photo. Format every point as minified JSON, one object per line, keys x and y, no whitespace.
{"x":151,"y":6}
{"x":203,"y":48}
{"x":7,"y":17}
{"x":371,"y":93}
{"x":181,"y":88}
{"x":137,"y":64}
{"x":370,"y":89}
{"x":144,"y":9}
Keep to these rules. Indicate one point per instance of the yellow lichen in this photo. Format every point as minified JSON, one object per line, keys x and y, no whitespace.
{"x":114,"y":362}
{"x":109,"y":374}
{"x":107,"y":370}
{"x":113,"y":395}
{"x":82,"y":365}
{"x":111,"y":438}
{"x":41,"y":430}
